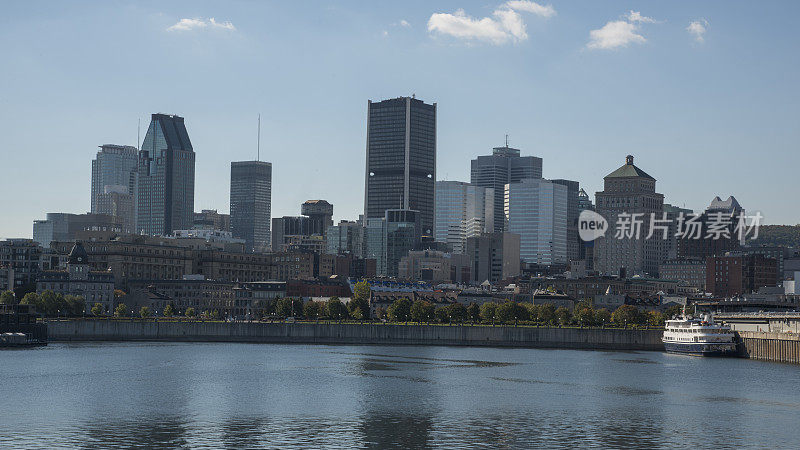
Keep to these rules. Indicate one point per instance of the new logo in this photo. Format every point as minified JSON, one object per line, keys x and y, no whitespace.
{"x":591,"y":225}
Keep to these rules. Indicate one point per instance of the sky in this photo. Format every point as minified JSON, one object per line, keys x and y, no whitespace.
{"x":703,"y":94}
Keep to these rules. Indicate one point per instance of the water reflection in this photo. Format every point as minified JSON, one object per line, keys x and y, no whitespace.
{"x":268,"y":396}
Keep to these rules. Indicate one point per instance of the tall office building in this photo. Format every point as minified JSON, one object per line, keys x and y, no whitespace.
{"x":375,"y":243}
{"x":462,"y":211}
{"x":629,"y":190}
{"x":114,"y":183}
{"x":502,"y":167}
{"x":401,"y":159}
{"x":494,"y":256}
{"x":165,"y":201}
{"x":288,"y":229}
{"x":585,"y":249}
{"x":573,"y":211}
{"x":402,"y":236}
{"x":345,"y":238}
{"x":536,"y":210}
{"x":320,"y":214}
{"x":251,"y":203}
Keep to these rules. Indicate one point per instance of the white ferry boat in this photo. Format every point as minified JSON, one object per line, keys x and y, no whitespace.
{"x":700,"y":337}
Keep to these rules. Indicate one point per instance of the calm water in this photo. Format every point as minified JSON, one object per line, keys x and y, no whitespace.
{"x":251,"y":395}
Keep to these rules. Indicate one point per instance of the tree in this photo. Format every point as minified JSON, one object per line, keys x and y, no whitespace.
{"x":335,"y":309}
{"x":602,"y":317}
{"x":144,"y":312}
{"x":121,"y":310}
{"x":31,"y":298}
{"x":76,"y":305}
{"x":563,"y":316}
{"x":312,"y":310}
{"x":190,"y":312}
{"x":169,"y":310}
{"x":358,"y":307}
{"x":673,"y":311}
{"x":442,"y":314}
{"x":289,"y":307}
{"x":361,"y":291}
{"x":97,"y":309}
{"x":400,"y":310}
{"x":380,"y":313}
{"x":584,"y":315}
{"x":421,"y":311}
{"x":625,"y":315}
{"x":214,"y":315}
{"x":505,"y":312}
{"x":458,"y":313}
{"x":53,"y":304}
{"x":119,"y":294}
{"x":547,"y":314}
{"x":488,"y":311}
{"x":474,"y":312}
{"x":655,"y":319}
{"x":8,"y":298}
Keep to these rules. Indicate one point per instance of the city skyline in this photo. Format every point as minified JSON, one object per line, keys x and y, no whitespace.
{"x":579,"y":107}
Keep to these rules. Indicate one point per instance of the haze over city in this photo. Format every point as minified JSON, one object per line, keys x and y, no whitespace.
{"x":701,"y":93}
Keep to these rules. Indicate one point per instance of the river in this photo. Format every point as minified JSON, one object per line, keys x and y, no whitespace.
{"x":262,"y":395}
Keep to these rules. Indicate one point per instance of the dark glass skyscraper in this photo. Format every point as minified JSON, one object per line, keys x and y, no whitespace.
{"x":166,"y":177}
{"x":502,"y":167}
{"x":115,"y":182}
{"x":401,"y":159}
{"x":251,"y":203}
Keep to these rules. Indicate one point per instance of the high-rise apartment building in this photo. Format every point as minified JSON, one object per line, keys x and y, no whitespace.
{"x":536,"y":210}
{"x":502,"y":167}
{"x":115,"y":183}
{"x":401,"y":159}
{"x":251,"y":203}
{"x":462,"y":211}
{"x":627,"y":201}
{"x":165,"y":200}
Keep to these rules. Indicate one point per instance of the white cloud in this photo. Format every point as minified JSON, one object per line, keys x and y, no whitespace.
{"x":619,"y":33}
{"x":698,"y":28}
{"x":545,"y":11}
{"x":504,"y":25}
{"x":201,"y":24}
{"x":404,"y":23}
{"x":636,"y":16}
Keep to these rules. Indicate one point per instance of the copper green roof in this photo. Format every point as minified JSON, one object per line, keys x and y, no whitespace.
{"x":629,"y":170}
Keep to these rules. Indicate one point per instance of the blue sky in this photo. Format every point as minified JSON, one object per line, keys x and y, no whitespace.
{"x":580,"y":84}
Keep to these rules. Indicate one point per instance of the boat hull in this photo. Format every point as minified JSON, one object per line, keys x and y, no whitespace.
{"x":701,"y":349}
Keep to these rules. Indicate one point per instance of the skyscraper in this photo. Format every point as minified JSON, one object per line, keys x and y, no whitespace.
{"x":251,"y":203}
{"x":536,"y":210}
{"x":629,"y":190}
{"x":165,"y":201}
{"x":573,"y":198}
{"x":503,"y":166}
{"x":402,"y":236}
{"x":401,"y":159}
{"x":115,"y":182}
{"x":462,"y":211}
{"x":320,"y":214}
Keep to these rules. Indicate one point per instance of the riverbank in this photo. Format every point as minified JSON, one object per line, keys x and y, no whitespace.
{"x":349,"y":333}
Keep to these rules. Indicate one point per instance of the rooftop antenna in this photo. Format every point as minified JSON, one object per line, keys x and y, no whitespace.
{"x":258,"y":145}
{"x":506,"y":141}
{"x":138,"y":133}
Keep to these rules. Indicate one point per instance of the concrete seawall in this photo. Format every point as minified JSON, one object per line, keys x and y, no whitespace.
{"x":764,"y":346}
{"x":331,"y":333}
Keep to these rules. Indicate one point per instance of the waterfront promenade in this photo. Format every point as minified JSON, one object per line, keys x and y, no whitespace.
{"x":355,"y":333}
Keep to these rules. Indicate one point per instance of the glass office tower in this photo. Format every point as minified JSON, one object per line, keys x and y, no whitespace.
{"x":536,"y":210}
{"x":503,"y":166}
{"x":251,"y":203}
{"x":462,"y":211}
{"x":401,"y":159}
{"x":166,"y":177}
{"x":115,"y":182}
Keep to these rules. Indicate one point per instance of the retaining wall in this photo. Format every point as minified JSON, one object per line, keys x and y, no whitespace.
{"x":332,"y":333}
{"x":777,"y":347}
